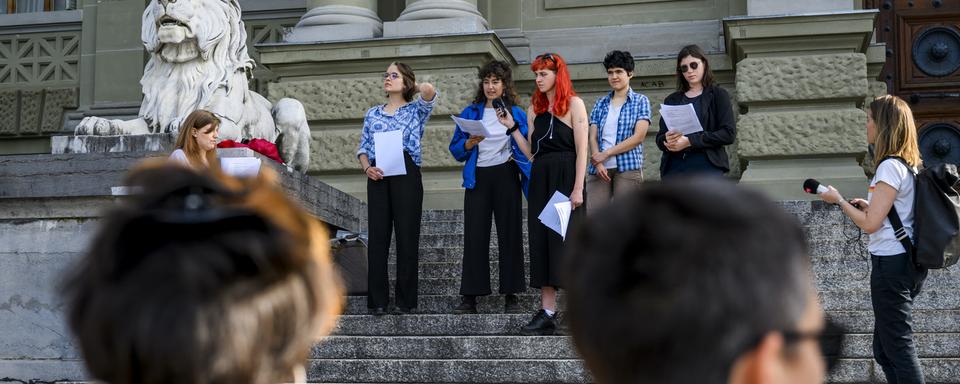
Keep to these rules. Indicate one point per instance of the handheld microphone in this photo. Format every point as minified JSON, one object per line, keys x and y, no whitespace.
{"x":813,"y":187}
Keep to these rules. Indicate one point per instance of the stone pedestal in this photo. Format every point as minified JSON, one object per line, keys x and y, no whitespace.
{"x":331,"y":20}
{"x":437,"y":17}
{"x":802,"y":81}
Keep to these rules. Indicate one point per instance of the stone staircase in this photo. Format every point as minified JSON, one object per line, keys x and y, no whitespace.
{"x":435,"y":346}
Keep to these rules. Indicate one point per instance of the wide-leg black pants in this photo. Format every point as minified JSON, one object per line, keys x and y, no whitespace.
{"x":551,"y":172}
{"x":394,"y":204}
{"x":498,"y":196}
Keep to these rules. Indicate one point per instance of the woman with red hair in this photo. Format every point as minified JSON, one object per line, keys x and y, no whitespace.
{"x":558,"y":142}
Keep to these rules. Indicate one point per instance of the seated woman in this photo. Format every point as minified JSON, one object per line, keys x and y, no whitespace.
{"x":202,"y":279}
{"x":197,"y":141}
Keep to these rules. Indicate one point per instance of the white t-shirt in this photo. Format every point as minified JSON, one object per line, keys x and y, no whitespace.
{"x":609,"y":139}
{"x":895,"y":174}
{"x":493,"y":150}
{"x":180,"y":156}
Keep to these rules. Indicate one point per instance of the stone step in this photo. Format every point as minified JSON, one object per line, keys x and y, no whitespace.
{"x":831,"y":300}
{"x":448,"y":371}
{"x":557,"y":347}
{"x":866,"y":370}
{"x":448,"y":324}
{"x":445,"y":280}
{"x":936,"y":370}
{"x":445,"y":347}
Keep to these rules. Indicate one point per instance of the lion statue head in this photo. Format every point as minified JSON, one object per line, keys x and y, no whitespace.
{"x":196,"y":47}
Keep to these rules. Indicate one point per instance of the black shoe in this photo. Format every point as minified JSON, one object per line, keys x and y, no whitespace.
{"x":402,"y":311}
{"x":379,"y":311}
{"x":542,"y":324}
{"x":468,"y":305}
{"x":511,"y":304}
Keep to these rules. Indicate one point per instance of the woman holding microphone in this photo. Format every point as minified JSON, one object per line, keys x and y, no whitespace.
{"x":895,"y":280}
{"x":394,"y":203}
{"x":495,"y":174}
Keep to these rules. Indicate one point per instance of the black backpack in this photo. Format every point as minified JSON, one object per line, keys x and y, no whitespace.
{"x":936,"y":217}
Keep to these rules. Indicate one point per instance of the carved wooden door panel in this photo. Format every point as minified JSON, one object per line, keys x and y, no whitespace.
{"x":923,"y":67}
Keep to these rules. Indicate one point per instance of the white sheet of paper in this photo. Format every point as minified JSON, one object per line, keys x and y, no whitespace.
{"x":388,"y":147}
{"x":550,"y":216}
{"x":240,"y":166}
{"x":564,"y":210}
{"x":473,"y":127}
{"x":682,"y":118}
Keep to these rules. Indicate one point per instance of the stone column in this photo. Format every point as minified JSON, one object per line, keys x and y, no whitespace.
{"x":437,"y":17}
{"x":328,"y":20}
{"x":801,"y":81}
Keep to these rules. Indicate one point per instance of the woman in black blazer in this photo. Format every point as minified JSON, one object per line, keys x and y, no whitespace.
{"x":701,"y":152}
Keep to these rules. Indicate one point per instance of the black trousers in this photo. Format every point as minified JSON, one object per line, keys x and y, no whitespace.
{"x":394,"y":204}
{"x":496,"y":195}
{"x":894,"y":283}
{"x":551,"y":172}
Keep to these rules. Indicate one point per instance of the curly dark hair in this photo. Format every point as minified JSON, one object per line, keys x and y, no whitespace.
{"x":619,"y":59}
{"x":500,"y":70}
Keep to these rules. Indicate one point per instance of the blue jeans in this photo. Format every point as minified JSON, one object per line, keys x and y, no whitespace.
{"x":894,"y":282}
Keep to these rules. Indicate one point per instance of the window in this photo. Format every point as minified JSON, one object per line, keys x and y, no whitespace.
{"x":25,"y":6}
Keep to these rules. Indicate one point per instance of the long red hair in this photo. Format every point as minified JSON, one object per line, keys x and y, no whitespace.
{"x":563,"y":87}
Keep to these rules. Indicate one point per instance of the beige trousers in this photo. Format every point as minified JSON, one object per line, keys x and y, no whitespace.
{"x":600,"y":192}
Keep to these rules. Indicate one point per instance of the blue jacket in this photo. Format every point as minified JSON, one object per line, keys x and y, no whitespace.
{"x":459,"y":152}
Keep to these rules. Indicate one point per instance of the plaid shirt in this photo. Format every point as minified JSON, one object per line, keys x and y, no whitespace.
{"x":410,"y":118}
{"x":636,"y":108}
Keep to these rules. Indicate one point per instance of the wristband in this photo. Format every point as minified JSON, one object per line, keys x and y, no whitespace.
{"x":365,"y":169}
{"x":514,"y":128}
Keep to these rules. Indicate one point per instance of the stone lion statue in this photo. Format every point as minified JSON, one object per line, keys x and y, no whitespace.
{"x":198,"y":60}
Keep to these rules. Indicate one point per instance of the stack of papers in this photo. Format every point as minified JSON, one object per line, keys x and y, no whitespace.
{"x":681,"y":118}
{"x":556,"y":215}
{"x":240,"y":166}
{"x":388,"y":147}
{"x":473,"y":127}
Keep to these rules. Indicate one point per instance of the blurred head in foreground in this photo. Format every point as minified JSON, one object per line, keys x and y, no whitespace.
{"x":198,"y":279}
{"x":695,"y":281}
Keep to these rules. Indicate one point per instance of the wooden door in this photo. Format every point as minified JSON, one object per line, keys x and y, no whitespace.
{"x":923,"y":67}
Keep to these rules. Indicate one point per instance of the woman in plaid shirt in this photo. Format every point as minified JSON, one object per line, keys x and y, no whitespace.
{"x":618,"y":125}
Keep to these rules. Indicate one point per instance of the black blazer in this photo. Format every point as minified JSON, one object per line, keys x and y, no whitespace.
{"x":719,"y":127}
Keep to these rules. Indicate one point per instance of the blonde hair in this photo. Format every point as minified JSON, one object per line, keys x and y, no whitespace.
{"x":896,"y":130}
{"x":185,"y":141}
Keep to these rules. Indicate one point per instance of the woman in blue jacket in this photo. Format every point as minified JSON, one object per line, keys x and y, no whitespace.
{"x":495,"y":173}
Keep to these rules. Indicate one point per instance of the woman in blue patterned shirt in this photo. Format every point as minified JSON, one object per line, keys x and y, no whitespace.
{"x":395,"y":199}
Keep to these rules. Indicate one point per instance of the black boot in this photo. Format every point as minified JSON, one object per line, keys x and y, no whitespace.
{"x":511,"y":304}
{"x":467,"y":306}
{"x":542,"y":324}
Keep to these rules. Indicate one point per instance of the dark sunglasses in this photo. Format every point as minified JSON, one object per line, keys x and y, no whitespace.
{"x":547,"y":56}
{"x":829,"y":338}
{"x":683,"y":68}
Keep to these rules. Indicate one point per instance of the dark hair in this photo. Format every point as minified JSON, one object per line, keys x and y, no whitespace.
{"x":500,"y":70}
{"x":672,"y":283}
{"x":409,"y":80}
{"x":695,"y":51}
{"x":618,"y":59}
{"x":201,"y":280}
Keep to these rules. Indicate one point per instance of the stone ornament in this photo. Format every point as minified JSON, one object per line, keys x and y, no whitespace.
{"x":199,"y":60}
{"x":936,"y":51}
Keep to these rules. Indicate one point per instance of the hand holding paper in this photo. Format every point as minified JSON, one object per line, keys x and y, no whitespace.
{"x":681,"y":118}
{"x":556,"y":215}
{"x":388,"y":147}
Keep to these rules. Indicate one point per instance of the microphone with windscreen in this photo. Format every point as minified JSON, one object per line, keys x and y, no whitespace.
{"x":813,"y":187}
